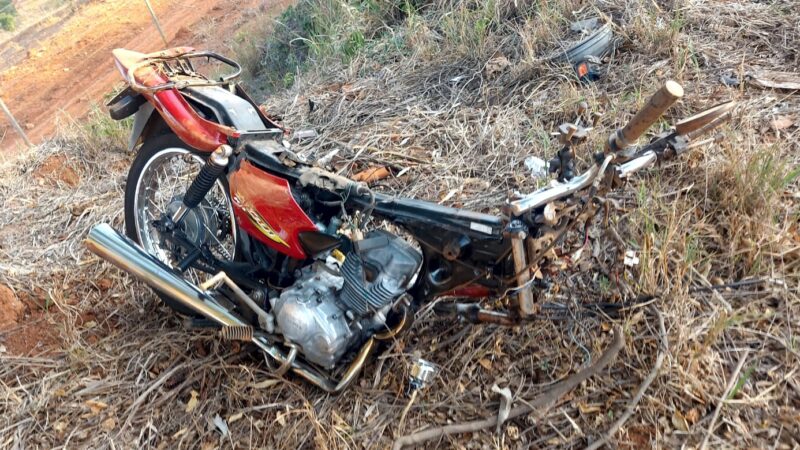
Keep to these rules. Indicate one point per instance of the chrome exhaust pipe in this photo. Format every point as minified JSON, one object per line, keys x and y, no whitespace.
{"x":117,"y":249}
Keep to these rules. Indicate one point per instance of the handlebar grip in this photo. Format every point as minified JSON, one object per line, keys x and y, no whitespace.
{"x":646,"y":117}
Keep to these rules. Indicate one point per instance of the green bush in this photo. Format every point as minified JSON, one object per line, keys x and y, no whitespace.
{"x":312,"y":30}
{"x":7,"y":15}
{"x":7,"y":21}
{"x":320,"y":33}
{"x":6,"y":6}
{"x":303,"y":31}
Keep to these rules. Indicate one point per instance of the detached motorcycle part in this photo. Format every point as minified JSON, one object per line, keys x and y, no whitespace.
{"x":588,"y":71}
{"x":421,"y":374}
{"x":597,"y":45}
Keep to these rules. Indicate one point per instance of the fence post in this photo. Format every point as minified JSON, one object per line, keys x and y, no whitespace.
{"x":14,"y":123}
{"x":157,"y":24}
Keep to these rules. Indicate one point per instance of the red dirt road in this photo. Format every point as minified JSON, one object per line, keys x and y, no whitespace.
{"x":65,"y":74}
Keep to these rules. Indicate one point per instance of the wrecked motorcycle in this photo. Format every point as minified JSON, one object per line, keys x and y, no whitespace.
{"x":233,"y":229}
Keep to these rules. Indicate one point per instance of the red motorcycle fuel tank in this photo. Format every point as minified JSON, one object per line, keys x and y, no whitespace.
{"x":265,"y":209}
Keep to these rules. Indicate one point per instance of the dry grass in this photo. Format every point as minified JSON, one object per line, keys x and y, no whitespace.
{"x":124,"y":370}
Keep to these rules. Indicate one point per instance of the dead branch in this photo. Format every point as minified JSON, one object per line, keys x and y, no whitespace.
{"x":731,"y":383}
{"x":541,"y":403}
{"x":642,"y":388}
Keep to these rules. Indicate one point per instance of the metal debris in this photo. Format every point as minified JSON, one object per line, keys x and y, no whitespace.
{"x":631,"y":259}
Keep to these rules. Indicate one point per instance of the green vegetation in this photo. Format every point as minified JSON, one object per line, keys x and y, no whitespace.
{"x":97,"y":132}
{"x":308,"y":31}
{"x":101,"y":129}
{"x":314,"y":33}
{"x":7,"y":15}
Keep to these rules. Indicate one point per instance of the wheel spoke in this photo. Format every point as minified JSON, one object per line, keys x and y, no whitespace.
{"x":221,"y":247}
{"x":155,"y":205}
{"x":164,"y":180}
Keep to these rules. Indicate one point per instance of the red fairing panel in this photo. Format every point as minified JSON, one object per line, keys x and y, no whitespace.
{"x":187,"y":124}
{"x":199,"y":133}
{"x":265,"y":209}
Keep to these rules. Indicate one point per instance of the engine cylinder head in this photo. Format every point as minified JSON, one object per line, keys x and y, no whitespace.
{"x":361,"y":296}
{"x":378,"y":272}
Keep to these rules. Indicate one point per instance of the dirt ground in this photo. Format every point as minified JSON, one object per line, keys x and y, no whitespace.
{"x":72,"y":70}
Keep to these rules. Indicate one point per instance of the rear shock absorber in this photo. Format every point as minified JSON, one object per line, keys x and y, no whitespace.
{"x":211,"y":171}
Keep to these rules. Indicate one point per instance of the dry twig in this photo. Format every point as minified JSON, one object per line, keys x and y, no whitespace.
{"x":731,"y":383}
{"x":629,"y":410}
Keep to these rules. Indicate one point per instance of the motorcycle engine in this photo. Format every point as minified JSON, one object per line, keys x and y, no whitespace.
{"x":325,"y":312}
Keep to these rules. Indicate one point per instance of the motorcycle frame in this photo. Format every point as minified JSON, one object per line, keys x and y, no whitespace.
{"x":443,"y":242}
{"x":458,"y":260}
{"x":465,"y":253}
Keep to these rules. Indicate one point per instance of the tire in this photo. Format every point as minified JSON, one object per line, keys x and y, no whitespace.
{"x":149,"y":154}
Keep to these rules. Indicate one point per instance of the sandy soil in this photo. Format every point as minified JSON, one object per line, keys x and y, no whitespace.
{"x":68,"y":72}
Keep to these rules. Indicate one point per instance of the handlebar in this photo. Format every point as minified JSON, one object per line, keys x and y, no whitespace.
{"x":646,"y":117}
{"x":558,"y":191}
{"x":685,"y":130}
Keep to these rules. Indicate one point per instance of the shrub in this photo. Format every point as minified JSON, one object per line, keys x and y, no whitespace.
{"x":7,"y":21}
{"x":7,"y":15}
{"x":312,"y":30}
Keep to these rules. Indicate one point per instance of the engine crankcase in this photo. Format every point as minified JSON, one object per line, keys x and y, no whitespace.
{"x":308,"y":316}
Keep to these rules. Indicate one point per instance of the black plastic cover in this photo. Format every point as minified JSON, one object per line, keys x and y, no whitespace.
{"x":125,"y":104}
{"x":316,"y":242}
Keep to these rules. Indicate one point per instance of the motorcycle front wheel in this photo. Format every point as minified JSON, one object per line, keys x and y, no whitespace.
{"x":162,"y":171}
